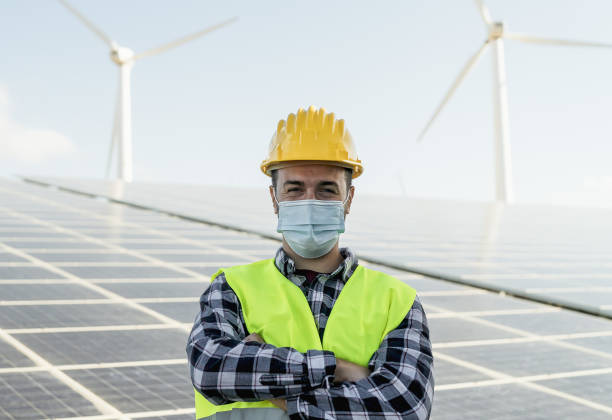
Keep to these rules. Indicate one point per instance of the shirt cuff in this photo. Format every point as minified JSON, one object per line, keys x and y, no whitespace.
{"x":320,"y":367}
{"x":292,"y":408}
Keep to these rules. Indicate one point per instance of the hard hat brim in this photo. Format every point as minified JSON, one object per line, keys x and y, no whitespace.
{"x":268,"y":167}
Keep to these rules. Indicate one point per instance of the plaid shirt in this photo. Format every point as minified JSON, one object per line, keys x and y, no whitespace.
{"x":226,"y":369}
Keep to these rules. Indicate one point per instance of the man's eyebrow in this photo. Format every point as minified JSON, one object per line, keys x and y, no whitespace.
{"x":328,"y":183}
{"x":293,"y":182}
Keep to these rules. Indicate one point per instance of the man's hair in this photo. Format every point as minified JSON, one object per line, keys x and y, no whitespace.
{"x":348,"y":177}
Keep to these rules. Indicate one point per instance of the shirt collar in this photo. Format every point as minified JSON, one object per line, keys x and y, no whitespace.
{"x":285,"y":264}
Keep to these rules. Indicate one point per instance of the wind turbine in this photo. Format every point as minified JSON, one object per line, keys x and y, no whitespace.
{"x":497,"y":32}
{"x":124,"y":58}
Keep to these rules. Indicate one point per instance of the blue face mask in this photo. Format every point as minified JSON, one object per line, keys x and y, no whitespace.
{"x":311,"y":227}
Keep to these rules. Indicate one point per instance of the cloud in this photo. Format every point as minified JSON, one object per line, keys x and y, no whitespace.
{"x":26,"y":145}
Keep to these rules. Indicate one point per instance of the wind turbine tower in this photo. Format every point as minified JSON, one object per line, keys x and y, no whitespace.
{"x":496,"y":34}
{"x":124,"y":58}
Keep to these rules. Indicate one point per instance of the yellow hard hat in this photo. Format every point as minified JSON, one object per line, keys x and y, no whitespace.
{"x":312,"y":135}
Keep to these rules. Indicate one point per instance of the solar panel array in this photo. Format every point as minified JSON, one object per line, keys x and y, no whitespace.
{"x":560,"y":255}
{"x":97,"y":298}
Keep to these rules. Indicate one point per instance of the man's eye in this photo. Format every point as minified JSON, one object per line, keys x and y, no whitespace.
{"x":292,"y":190}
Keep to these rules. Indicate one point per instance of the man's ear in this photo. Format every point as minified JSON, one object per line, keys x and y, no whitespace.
{"x":273,"y":199}
{"x":347,"y":207}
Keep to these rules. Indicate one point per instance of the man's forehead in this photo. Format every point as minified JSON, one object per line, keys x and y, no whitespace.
{"x":311,"y":172}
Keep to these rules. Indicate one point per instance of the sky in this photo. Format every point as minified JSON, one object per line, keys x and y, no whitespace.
{"x":204,"y":112}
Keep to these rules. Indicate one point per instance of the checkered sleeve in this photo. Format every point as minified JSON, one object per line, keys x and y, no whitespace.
{"x":400,"y":386}
{"x":225,"y":369}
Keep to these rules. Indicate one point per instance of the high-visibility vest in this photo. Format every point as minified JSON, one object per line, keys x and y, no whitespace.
{"x":370,"y":305}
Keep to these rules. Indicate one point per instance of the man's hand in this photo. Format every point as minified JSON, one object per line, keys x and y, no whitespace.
{"x":254,"y":337}
{"x":280,"y":403}
{"x":349,"y":372}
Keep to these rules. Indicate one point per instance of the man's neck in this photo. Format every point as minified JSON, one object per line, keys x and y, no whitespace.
{"x":325,"y":264}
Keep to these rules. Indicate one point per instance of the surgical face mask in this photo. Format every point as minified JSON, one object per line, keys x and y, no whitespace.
{"x":311,"y":227}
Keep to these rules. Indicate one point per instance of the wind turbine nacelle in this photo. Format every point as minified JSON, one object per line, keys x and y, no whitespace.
{"x":496,"y":30}
{"x":121,"y":55}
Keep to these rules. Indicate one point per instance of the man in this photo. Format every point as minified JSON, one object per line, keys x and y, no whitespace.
{"x":310,"y":333}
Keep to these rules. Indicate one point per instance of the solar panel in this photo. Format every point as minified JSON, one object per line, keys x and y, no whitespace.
{"x":97,"y":298}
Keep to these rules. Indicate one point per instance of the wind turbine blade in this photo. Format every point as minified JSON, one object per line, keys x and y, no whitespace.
{"x":484,"y":12}
{"x":553,"y":41}
{"x":183,"y":40}
{"x":87,"y":23}
{"x":464,"y":72}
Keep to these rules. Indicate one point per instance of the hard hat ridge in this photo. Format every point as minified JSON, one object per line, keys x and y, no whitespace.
{"x":312,"y":135}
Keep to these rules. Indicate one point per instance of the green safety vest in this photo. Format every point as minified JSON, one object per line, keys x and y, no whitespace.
{"x":370,"y":305}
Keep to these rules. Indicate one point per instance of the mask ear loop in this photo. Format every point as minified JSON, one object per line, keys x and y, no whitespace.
{"x":274,"y":194}
{"x":348,"y":194}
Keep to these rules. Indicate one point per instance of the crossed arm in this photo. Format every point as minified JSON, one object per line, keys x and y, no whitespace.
{"x":227,"y":364}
